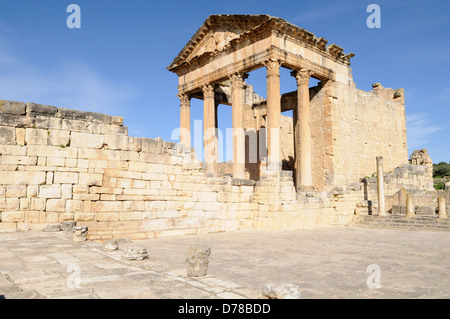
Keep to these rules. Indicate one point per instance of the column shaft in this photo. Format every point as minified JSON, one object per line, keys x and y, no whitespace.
{"x":442,"y":207}
{"x":302,"y":132}
{"x":210,"y":143}
{"x":237,"y":81}
{"x":273,"y":113}
{"x":380,"y":187}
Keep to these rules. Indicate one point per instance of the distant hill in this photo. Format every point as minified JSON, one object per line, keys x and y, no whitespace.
{"x":441,"y":174}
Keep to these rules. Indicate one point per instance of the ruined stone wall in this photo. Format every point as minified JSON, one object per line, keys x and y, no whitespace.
{"x":61,"y":165}
{"x":365,"y":125}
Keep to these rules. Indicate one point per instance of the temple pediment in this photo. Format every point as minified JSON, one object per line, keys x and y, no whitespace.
{"x":214,"y":42}
{"x":229,"y":32}
{"x":216,"y":33}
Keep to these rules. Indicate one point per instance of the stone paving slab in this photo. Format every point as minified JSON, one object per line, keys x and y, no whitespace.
{"x":324,"y":263}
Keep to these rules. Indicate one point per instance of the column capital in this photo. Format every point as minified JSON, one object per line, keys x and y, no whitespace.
{"x":302,"y":75}
{"x":208,"y":91}
{"x":237,"y":79}
{"x":273,"y":67}
{"x":185,"y":99}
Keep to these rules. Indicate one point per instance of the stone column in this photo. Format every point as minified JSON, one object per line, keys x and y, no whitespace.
{"x":410,"y":209}
{"x":442,"y":207}
{"x":237,"y":94}
{"x":302,"y":132}
{"x":185,"y":119}
{"x":210,"y":143}
{"x":273,"y":113}
{"x":380,"y":187}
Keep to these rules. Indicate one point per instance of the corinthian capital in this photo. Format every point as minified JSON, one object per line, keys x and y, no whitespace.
{"x":208,"y":91}
{"x":302,"y":76}
{"x":184,"y":99}
{"x":237,"y":80}
{"x":273,"y":67}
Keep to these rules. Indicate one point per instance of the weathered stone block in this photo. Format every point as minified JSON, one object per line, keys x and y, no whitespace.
{"x":87,"y":140}
{"x":84,"y":216}
{"x":20,"y":136}
{"x":80,"y":233}
{"x":45,"y":122}
{"x":7,"y":135}
{"x":17,"y":121}
{"x":65,"y":178}
{"x":11,"y":107}
{"x":13,"y":216}
{"x":56,"y":205}
{"x":116,"y":120}
{"x":74,"y":206}
{"x":68,"y":226}
{"x":98,"y":117}
{"x":18,"y":160}
{"x":151,"y":145}
{"x":135,"y":253}
{"x":39,"y":109}
{"x":50,"y":191}
{"x":76,"y":126}
{"x":16,"y":191}
{"x":91,"y":179}
{"x":280,"y":291}
{"x":37,"y":204}
{"x":104,"y":206}
{"x":22,"y":178}
{"x":111,"y":244}
{"x":119,"y":142}
{"x":58,"y":138}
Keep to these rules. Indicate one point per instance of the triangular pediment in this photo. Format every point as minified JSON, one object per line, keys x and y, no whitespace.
{"x":215,"y":33}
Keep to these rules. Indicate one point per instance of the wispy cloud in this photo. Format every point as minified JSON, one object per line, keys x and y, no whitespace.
{"x":67,"y":83}
{"x":419,"y":129}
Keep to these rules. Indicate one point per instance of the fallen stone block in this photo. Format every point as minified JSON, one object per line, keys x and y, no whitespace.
{"x":135,"y":253}
{"x":80,"y":233}
{"x":68,"y":226}
{"x":280,"y":291}
{"x":111,"y":244}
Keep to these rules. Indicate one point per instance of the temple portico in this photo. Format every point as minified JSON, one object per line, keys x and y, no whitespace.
{"x":213,"y":67}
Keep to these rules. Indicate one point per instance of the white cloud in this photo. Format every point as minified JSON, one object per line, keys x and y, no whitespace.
{"x":419,"y":129}
{"x":67,"y":83}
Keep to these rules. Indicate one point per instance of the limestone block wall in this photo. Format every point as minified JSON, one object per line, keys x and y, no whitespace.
{"x":364,"y":125}
{"x":61,"y":165}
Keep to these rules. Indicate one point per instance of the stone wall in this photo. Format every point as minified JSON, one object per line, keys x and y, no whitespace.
{"x":61,"y":165}
{"x":365,"y":125}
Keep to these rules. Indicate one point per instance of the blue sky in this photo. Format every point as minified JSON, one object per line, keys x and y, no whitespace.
{"x":116,"y":63}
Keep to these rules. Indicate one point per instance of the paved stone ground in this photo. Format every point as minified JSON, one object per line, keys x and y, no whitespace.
{"x":324,"y":263}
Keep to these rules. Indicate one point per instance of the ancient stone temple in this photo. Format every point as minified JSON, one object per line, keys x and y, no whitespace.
{"x":344,"y":152}
{"x":338,"y":130}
